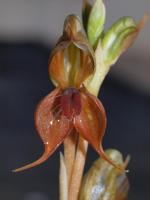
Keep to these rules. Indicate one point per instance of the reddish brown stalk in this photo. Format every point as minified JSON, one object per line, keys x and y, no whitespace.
{"x":77,"y":170}
{"x":69,"y":153}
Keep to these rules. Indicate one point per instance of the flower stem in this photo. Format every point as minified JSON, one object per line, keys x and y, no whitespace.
{"x":63,"y":182}
{"x":78,"y":168}
{"x":69,"y":154}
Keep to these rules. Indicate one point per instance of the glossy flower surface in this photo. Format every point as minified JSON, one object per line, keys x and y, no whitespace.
{"x":70,"y":108}
{"x":62,"y":111}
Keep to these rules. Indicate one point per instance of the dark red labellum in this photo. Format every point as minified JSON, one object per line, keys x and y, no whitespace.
{"x":71,"y":103}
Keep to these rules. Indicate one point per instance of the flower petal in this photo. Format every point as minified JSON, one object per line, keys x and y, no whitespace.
{"x":91,"y":124}
{"x":51,"y":126}
{"x":57,"y":69}
{"x":72,"y":60}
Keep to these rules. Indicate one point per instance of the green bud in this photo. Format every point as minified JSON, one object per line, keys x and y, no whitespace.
{"x":118,"y":38}
{"x":103,"y":181}
{"x":94,"y":19}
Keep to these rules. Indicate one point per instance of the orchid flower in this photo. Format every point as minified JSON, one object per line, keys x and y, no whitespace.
{"x":70,"y":106}
{"x":77,"y":66}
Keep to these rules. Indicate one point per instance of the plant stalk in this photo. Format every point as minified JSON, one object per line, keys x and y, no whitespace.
{"x":78,"y":168}
{"x":69,"y":153}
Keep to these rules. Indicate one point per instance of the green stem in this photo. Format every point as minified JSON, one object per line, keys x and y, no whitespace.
{"x":94,"y":83}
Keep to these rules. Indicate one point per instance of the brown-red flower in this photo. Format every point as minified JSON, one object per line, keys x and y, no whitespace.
{"x":70,"y":106}
{"x":60,"y":112}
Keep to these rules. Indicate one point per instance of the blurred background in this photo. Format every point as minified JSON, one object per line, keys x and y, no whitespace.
{"x":28,"y":32}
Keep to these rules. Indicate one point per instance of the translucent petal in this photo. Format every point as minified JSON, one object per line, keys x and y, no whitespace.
{"x":57,"y":69}
{"x":51,"y":126}
{"x":91,"y":124}
{"x":72,"y":60}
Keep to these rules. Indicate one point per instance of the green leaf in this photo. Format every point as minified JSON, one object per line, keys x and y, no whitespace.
{"x":118,"y":38}
{"x":96,"y":22}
